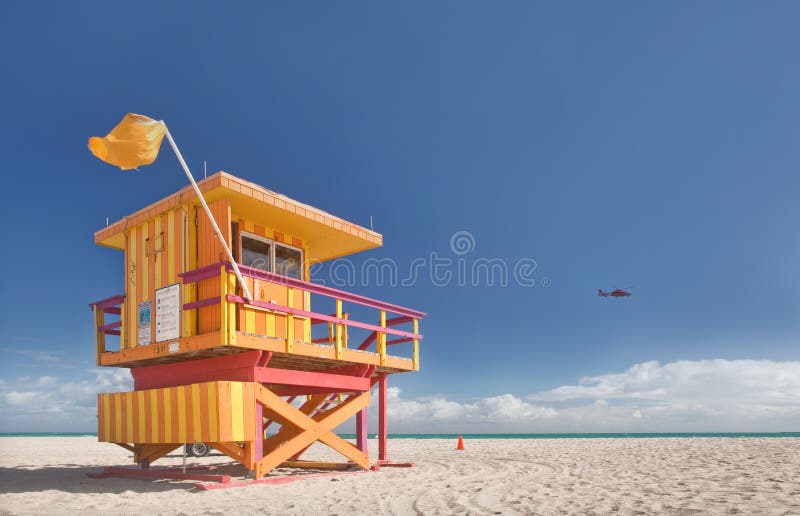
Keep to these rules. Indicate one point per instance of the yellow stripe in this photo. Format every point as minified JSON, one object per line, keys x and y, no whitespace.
{"x":168,"y":415}
{"x":196,"y":411}
{"x":129,"y":417}
{"x":117,"y":417}
{"x":157,"y":257}
{"x":270,"y":325}
{"x":130,"y":289}
{"x":106,"y":416}
{"x":145,"y":267}
{"x":181,"y":414}
{"x":142,"y":409}
{"x":154,"y":414}
{"x":250,"y":320}
{"x":307,"y":325}
{"x":237,"y":413}
{"x":172,"y":244}
{"x":211,"y":410}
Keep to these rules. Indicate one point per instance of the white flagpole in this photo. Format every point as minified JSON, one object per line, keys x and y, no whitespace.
{"x":210,"y":216}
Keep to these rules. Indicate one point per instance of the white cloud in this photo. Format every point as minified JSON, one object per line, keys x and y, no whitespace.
{"x":20,"y":398}
{"x":47,"y":404}
{"x":438,"y":414}
{"x":683,"y":396}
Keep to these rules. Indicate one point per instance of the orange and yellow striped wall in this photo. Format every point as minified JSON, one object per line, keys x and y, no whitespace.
{"x":156,"y":251}
{"x":208,"y":412}
{"x":182,"y":239}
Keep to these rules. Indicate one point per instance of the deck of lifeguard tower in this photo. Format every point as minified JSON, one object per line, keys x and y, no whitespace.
{"x":171,"y":242}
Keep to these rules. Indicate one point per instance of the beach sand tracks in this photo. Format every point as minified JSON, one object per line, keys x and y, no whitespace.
{"x":509,"y":476}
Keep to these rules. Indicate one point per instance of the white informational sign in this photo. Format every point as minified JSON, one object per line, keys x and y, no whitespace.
{"x":143,"y":326}
{"x":168,"y":313}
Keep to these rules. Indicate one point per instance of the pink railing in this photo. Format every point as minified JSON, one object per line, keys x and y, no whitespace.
{"x":337,"y":322}
{"x":113,"y":306}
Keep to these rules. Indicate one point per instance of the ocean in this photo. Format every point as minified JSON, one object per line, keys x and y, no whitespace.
{"x":496,"y":436}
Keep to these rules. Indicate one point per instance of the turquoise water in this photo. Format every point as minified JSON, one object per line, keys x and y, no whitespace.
{"x":492,"y":436}
{"x":47,"y":434}
{"x":587,"y":435}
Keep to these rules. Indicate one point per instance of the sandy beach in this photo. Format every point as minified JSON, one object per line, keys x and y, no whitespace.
{"x":47,"y":475}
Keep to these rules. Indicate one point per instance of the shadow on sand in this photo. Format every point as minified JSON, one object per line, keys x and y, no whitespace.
{"x":71,"y":478}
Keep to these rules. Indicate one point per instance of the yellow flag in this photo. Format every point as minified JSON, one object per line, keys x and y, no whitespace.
{"x":132,"y":143}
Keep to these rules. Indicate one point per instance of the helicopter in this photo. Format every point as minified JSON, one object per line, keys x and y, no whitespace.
{"x":614,"y":293}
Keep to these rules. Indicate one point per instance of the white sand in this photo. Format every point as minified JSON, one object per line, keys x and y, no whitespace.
{"x":47,"y":475}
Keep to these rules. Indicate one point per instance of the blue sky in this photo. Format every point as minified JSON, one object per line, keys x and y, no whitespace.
{"x":650,"y":145}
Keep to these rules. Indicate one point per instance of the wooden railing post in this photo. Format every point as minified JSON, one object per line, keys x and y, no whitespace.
{"x":231,"y":309}
{"x":382,"y":339}
{"x":345,"y":336}
{"x":122,"y":326}
{"x":415,"y":356}
{"x":223,"y":305}
{"x":339,"y":330}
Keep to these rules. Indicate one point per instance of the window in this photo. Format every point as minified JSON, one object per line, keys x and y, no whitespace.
{"x":256,"y":253}
{"x":266,"y":255}
{"x":288,"y":261}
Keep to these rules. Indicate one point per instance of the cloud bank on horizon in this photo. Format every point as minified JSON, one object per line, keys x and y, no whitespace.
{"x":683,"y":396}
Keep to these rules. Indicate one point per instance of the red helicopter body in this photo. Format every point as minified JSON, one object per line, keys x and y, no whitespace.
{"x":614,"y":293}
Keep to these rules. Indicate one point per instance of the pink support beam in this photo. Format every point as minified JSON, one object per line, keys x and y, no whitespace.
{"x":361,"y":431}
{"x":395,"y":321}
{"x":249,"y":367}
{"x":107,"y":328}
{"x":238,"y":367}
{"x":110,"y":302}
{"x":283,"y":390}
{"x":328,"y":381}
{"x":284,"y":479}
{"x":382,"y":430}
{"x":165,"y":473}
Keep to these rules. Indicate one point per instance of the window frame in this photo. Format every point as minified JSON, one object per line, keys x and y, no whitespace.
{"x":272,"y":246}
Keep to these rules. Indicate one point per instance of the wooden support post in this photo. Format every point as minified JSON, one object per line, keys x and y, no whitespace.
{"x":258,"y":444}
{"x":146,"y":454}
{"x":223,"y":306}
{"x":361,"y":430}
{"x":231,"y":310}
{"x":99,"y":336}
{"x":339,"y":330}
{"x":382,"y":339}
{"x":415,"y":356}
{"x":382,"y":430}
{"x":122,"y":326}
{"x":289,"y":321}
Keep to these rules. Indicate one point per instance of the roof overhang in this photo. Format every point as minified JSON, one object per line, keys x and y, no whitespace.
{"x":327,"y":236}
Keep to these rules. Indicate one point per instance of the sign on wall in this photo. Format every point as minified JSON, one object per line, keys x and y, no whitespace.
{"x":168,"y":312}
{"x":143,"y":326}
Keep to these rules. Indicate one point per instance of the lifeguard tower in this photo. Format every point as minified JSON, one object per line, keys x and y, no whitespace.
{"x":210,"y":365}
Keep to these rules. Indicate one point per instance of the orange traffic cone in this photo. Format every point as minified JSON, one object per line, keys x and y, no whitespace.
{"x":460,"y":445}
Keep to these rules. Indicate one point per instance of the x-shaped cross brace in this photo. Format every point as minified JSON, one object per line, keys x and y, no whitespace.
{"x":299,"y":430}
